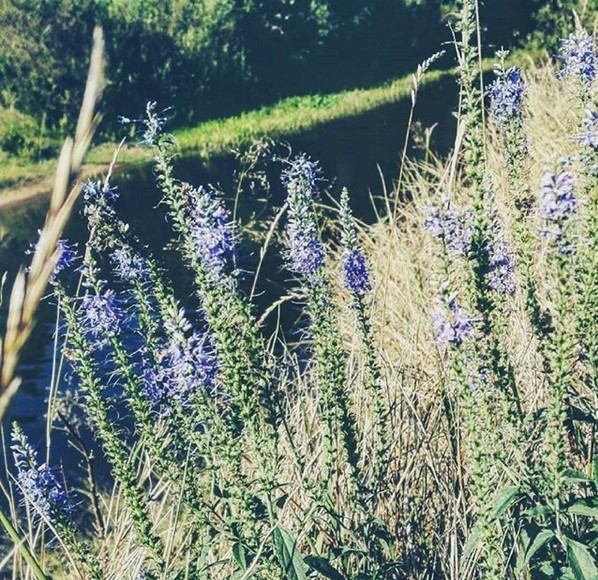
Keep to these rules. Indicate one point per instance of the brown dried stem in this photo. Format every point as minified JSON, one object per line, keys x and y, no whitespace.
{"x":30,"y":286}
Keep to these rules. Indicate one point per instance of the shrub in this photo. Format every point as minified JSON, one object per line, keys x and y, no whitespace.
{"x":21,"y":135}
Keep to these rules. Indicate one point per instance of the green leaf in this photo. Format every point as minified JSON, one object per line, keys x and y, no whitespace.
{"x":288,"y":555}
{"x":540,"y":510}
{"x":324,"y":567}
{"x":575,"y":476}
{"x":582,"y":508}
{"x":582,"y":562}
{"x":539,"y":541}
{"x":473,"y":541}
{"x":503,"y":500}
{"x":239,"y":555}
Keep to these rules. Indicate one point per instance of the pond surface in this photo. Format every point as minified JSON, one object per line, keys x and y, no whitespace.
{"x":360,"y":153}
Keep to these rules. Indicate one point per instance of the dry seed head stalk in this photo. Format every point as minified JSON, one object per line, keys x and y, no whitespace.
{"x":28,"y":289}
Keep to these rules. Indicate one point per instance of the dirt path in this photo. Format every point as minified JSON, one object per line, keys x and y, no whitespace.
{"x":22,"y":194}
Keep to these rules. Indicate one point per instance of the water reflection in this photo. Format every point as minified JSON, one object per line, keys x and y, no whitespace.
{"x":361,"y":153}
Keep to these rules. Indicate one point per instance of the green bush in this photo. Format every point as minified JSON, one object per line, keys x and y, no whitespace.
{"x":208,"y":58}
{"x":21,"y":135}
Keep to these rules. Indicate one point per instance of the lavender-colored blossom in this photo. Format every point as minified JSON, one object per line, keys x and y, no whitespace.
{"x":589,"y":136}
{"x":452,"y":324}
{"x":153,"y":123}
{"x":451,"y":225}
{"x":558,"y":201}
{"x":211,"y":229}
{"x":99,"y":209}
{"x":302,"y":173}
{"x":100,"y":314}
{"x":184,"y":366}
{"x":97,"y":192}
{"x":578,"y":54}
{"x":306,"y":253}
{"x":506,"y":97}
{"x":357,"y":279}
{"x":38,"y":483}
{"x":67,"y":254}
{"x":128,"y":265}
{"x":500,"y":271}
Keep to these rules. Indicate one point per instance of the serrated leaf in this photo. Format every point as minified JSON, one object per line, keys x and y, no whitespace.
{"x":239,"y":555}
{"x":324,"y":567}
{"x":288,"y":555}
{"x":581,"y":560}
{"x":503,"y":500}
{"x":541,"y":538}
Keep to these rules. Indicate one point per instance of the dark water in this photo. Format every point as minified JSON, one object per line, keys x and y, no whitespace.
{"x":361,"y":153}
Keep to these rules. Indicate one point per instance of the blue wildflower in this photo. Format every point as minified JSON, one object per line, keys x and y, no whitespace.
{"x":558,"y":200}
{"x":589,"y":135}
{"x":306,"y":253}
{"x":578,"y":54}
{"x":97,"y":192}
{"x":211,"y":229}
{"x":357,"y":278}
{"x":302,"y":173}
{"x":153,"y":124}
{"x":67,"y":255}
{"x":452,"y":324}
{"x":128,"y":265}
{"x":452,"y":225}
{"x":506,"y":97}
{"x":38,"y":483}
{"x":500,"y":270}
{"x":184,"y":366}
{"x":100,"y":314}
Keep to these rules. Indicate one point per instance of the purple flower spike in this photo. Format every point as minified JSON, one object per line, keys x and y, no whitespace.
{"x":500,"y":273}
{"x":67,"y":255}
{"x":128,"y":265}
{"x":37,"y":482}
{"x":306,"y":254}
{"x":303,"y":173}
{"x":558,"y":196}
{"x":452,"y":325}
{"x":357,"y":278}
{"x":506,"y":97}
{"x":589,"y":136}
{"x":101,"y":315}
{"x":578,"y":54}
{"x":452,"y":225}
{"x":211,"y":228}
{"x":185,"y":366}
{"x":95,"y":192}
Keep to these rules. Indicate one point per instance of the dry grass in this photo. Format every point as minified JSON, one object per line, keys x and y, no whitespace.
{"x":30,"y":286}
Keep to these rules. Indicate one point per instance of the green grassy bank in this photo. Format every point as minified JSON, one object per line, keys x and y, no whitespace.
{"x":288,"y":117}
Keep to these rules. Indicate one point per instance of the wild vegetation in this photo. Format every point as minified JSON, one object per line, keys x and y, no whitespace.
{"x":213,"y":59}
{"x":436,"y":417}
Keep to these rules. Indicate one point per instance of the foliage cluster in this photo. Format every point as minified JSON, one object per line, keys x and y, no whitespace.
{"x":437,"y":417}
{"x":213,"y":58}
